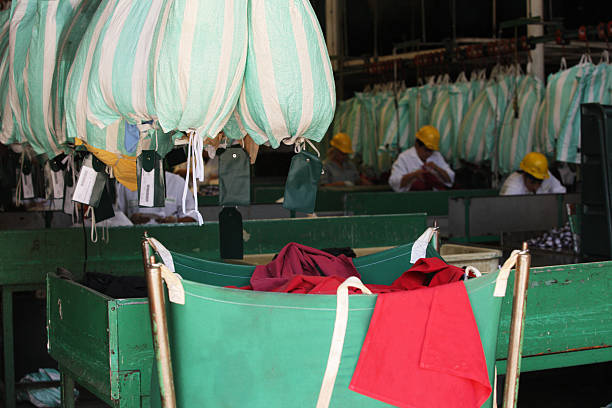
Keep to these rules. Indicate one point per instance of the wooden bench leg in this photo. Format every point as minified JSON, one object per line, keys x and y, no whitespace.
{"x":9,"y":358}
{"x":67,"y":384}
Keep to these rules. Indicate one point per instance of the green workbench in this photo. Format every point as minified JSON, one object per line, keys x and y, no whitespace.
{"x":329,"y":199}
{"x":27,"y":257}
{"x":434,"y":203}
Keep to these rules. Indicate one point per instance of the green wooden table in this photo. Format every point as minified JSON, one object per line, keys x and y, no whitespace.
{"x":434,"y":203}
{"x":329,"y":199}
{"x":27,"y":257}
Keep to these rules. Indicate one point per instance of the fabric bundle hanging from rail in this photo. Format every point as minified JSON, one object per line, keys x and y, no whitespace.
{"x":7,"y":134}
{"x":49,"y":22}
{"x":563,"y":90}
{"x":68,"y":45}
{"x":199,"y":63}
{"x":481,"y":125}
{"x":281,"y":101}
{"x":593,"y":84}
{"x":517,"y":133}
{"x":420,"y":102}
{"x":452,"y":102}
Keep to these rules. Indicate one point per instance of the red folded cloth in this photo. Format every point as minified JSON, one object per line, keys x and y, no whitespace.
{"x":423,"y":349}
{"x":434,"y":270}
{"x":295,"y":259}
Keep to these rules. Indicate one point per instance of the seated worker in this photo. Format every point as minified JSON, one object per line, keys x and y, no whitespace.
{"x":338,"y":170}
{"x":127,"y":202}
{"x":532,"y":178}
{"x":422,"y":167}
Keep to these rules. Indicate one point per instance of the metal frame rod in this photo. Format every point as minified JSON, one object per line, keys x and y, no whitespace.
{"x":159,"y":327}
{"x":515,"y":344}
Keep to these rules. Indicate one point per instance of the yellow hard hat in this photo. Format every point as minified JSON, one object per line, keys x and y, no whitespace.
{"x":430,"y":137}
{"x":536,"y":165}
{"x":342,"y":142}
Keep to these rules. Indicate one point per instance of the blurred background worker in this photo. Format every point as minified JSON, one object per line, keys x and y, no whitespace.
{"x":172,"y":212}
{"x":338,"y":169}
{"x":422,"y":167}
{"x":532,"y":178}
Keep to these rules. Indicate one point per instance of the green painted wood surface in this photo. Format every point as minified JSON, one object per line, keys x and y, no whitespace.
{"x":77,"y":324}
{"x":103,"y":343}
{"x":434,"y":203}
{"x":329,"y":199}
{"x":27,"y":256}
{"x":568,"y":319}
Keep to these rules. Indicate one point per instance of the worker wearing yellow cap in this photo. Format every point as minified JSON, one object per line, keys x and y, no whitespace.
{"x":338,"y":170}
{"x":422,"y":167}
{"x":532,"y":178}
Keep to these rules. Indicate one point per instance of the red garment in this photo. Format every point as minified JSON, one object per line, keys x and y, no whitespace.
{"x":423,"y":349}
{"x":428,"y":181}
{"x":417,"y":276}
{"x":295,"y":259}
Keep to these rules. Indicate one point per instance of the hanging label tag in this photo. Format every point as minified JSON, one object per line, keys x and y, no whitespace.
{"x":163,"y":252}
{"x":58,"y":183}
{"x":68,"y":203}
{"x":27,"y":188}
{"x":147,"y":188}
{"x":419,"y":248}
{"x":85,"y":185}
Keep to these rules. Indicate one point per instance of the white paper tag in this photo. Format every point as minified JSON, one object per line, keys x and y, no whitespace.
{"x":176,"y":292}
{"x":419,"y":248}
{"x":27,"y":188}
{"x":68,"y":203}
{"x":147,"y":188}
{"x":85,"y":185}
{"x":58,"y":183}
{"x":163,"y":253}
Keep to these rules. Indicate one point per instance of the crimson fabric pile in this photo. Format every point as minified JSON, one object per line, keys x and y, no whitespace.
{"x":422,"y":333}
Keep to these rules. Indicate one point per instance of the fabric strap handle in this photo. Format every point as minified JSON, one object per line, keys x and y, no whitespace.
{"x":502,"y":279}
{"x":337,"y":343}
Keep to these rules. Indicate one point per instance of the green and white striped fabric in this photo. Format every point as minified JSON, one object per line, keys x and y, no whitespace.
{"x":543,"y":144}
{"x":343,"y":110}
{"x":23,"y":18}
{"x":420,"y":102}
{"x":7,"y":134}
{"x":562,"y":91}
{"x":119,"y":64}
{"x":282,"y":102}
{"x":452,"y":102}
{"x":51,"y":19}
{"x":594,"y":87}
{"x":517,"y":135}
{"x":357,"y":125}
{"x":200,"y":61}
{"x":480,"y":127}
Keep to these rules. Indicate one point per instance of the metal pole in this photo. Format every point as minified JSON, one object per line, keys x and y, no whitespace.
{"x":375,"y":29}
{"x":454,"y":20}
{"x":515,"y":344}
{"x":436,"y":236}
{"x":494,"y":18}
{"x":159,"y":326}
{"x":535,"y":8}
{"x":423,"y":37}
{"x":332,"y":30}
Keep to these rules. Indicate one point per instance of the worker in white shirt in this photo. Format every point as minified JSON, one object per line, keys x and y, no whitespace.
{"x":422,"y":167}
{"x":532,"y":178}
{"x":127,"y":202}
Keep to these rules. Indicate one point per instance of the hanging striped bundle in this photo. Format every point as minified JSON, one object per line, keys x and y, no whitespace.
{"x":517,"y":135}
{"x":200,"y":61}
{"x":562,"y":91}
{"x":68,"y":45}
{"x":288,"y":90}
{"x":23,"y":18}
{"x":594,"y":86}
{"x":7,"y":134}
{"x":480,"y":127}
